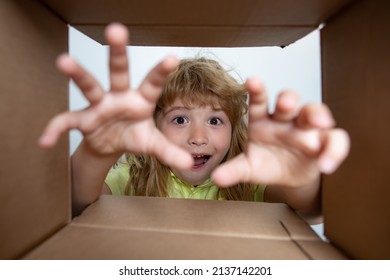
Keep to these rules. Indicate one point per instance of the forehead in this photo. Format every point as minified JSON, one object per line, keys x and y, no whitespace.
{"x":191,"y":103}
{"x":194,"y":103}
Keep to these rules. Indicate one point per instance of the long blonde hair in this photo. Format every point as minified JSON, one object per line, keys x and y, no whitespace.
{"x":198,"y":81}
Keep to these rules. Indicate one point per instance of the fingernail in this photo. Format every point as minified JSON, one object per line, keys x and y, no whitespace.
{"x":322,"y":120}
{"x":44,"y":141}
{"x":319,"y":119}
{"x":327,"y":166}
{"x":289,"y":101}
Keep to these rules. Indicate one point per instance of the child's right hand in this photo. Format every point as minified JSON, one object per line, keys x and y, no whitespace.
{"x":122,"y":119}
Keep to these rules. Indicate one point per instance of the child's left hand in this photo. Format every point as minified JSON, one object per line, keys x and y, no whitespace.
{"x":289,"y":147}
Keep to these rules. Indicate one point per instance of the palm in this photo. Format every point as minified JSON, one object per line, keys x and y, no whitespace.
{"x":120,"y":120}
{"x":108,"y":125}
{"x":275,"y":155}
{"x":290,"y":147}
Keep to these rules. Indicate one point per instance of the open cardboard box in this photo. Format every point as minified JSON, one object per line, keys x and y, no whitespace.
{"x":35,"y":216}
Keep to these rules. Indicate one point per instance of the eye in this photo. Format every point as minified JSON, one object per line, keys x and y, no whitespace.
{"x":215,"y":121}
{"x":180,"y":120}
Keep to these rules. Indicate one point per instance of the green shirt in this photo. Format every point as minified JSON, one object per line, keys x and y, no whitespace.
{"x":118,"y":177}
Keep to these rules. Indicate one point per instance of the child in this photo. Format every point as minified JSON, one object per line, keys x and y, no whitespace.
{"x":195,"y":141}
{"x":202,"y":109}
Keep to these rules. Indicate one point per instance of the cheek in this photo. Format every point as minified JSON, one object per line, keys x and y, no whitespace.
{"x":224,"y":140}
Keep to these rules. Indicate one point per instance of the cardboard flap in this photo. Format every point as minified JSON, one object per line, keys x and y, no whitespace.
{"x":85,"y":242}
{"x":223,"y":218}
{"x":200,"y":23}
{"x":201,"y":36}
{"x":320,"y":250}
{"x":298,"y":229}
{"x":120,"y":227}
{"x":34,"y":192}
{"x":355,"y":67}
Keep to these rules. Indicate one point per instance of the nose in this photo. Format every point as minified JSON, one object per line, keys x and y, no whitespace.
{"x":198,"y":135}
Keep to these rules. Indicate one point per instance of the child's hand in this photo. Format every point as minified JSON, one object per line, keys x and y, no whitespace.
{"x":290,"y":147}
{"x":122,"y":119}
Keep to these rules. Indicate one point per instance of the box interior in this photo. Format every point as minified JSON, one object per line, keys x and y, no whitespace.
{"x":35,"y":192}
{"x":122,"y":227}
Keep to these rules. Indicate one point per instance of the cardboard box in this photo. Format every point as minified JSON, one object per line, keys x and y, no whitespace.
{"x":163,"y":228}
{"x":35,"y":221}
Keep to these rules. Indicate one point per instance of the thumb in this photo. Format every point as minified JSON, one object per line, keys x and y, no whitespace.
{"x":170,"y":154}
{"x":232,"y":172}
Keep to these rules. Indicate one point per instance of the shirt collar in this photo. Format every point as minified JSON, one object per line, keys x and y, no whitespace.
{"x":206,"y":183}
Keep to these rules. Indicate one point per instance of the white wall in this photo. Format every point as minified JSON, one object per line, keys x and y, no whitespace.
{"x":295,"y":67}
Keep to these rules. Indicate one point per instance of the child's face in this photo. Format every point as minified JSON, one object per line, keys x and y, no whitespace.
{"x":202,"y":131}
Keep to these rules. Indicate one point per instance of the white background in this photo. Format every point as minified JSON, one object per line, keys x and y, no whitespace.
{"x":109,"y":269}
{"x":295,"y":67}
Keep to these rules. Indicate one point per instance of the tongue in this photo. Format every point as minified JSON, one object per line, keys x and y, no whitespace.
{"x":199,"y":161}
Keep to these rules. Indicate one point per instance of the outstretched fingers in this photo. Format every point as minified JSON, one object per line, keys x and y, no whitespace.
{"x":84,"y":80}
{"x":315,"y":116}
{"x":170,"y":154}
{"x":57,"y":126}
{"x":258,"y":101}
{"x":117,"y":36}
{"x":286,"y":107}
{"x":232,"y":172}
{"x":152,"y":86}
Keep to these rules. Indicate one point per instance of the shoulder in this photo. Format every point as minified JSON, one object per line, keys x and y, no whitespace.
{"x":259,"y":192}
{"x":117,"y":178}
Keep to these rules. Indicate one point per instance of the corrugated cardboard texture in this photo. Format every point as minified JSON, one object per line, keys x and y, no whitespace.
{"x":356,"y":83}
{"x":163,"y":228}
{"x":34,"y":192}
{"x":203,"y":23}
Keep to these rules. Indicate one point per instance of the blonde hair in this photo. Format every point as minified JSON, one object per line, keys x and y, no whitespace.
{"x":198,"y":81}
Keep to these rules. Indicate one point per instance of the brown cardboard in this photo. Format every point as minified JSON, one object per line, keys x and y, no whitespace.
{"x":34,"y":194}
{"x":163,"y":228}
{"x":356,"y":85}
{"x":204,"y":23}
{"x":230,"y":218}
{"x":81,"y":242}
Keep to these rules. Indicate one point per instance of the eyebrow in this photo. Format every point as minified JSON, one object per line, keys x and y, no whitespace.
{"x":186,"y":108}
{"x":174,"y":109}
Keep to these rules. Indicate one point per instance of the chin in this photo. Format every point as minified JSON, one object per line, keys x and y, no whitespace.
{"x":195,"y":181}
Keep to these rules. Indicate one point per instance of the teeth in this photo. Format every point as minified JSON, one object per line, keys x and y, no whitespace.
{"x":200,"y":156}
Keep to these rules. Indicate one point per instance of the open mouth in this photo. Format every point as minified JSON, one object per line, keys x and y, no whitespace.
{"x":200,"y":160}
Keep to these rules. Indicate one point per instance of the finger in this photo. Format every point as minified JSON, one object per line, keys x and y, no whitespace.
{"x":84,"y":80}
{"x":258,"y":107}
{"x":117,"y":37}
{"x":336,"y":149}
{"x":232,"y":172}
{"x":286,"y":107}
{"x":57,"y":126}
{"x":170,"y":154}
{"x":153,"y":83}
{"x":308,"y":141}
{"x":315,"y":116}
